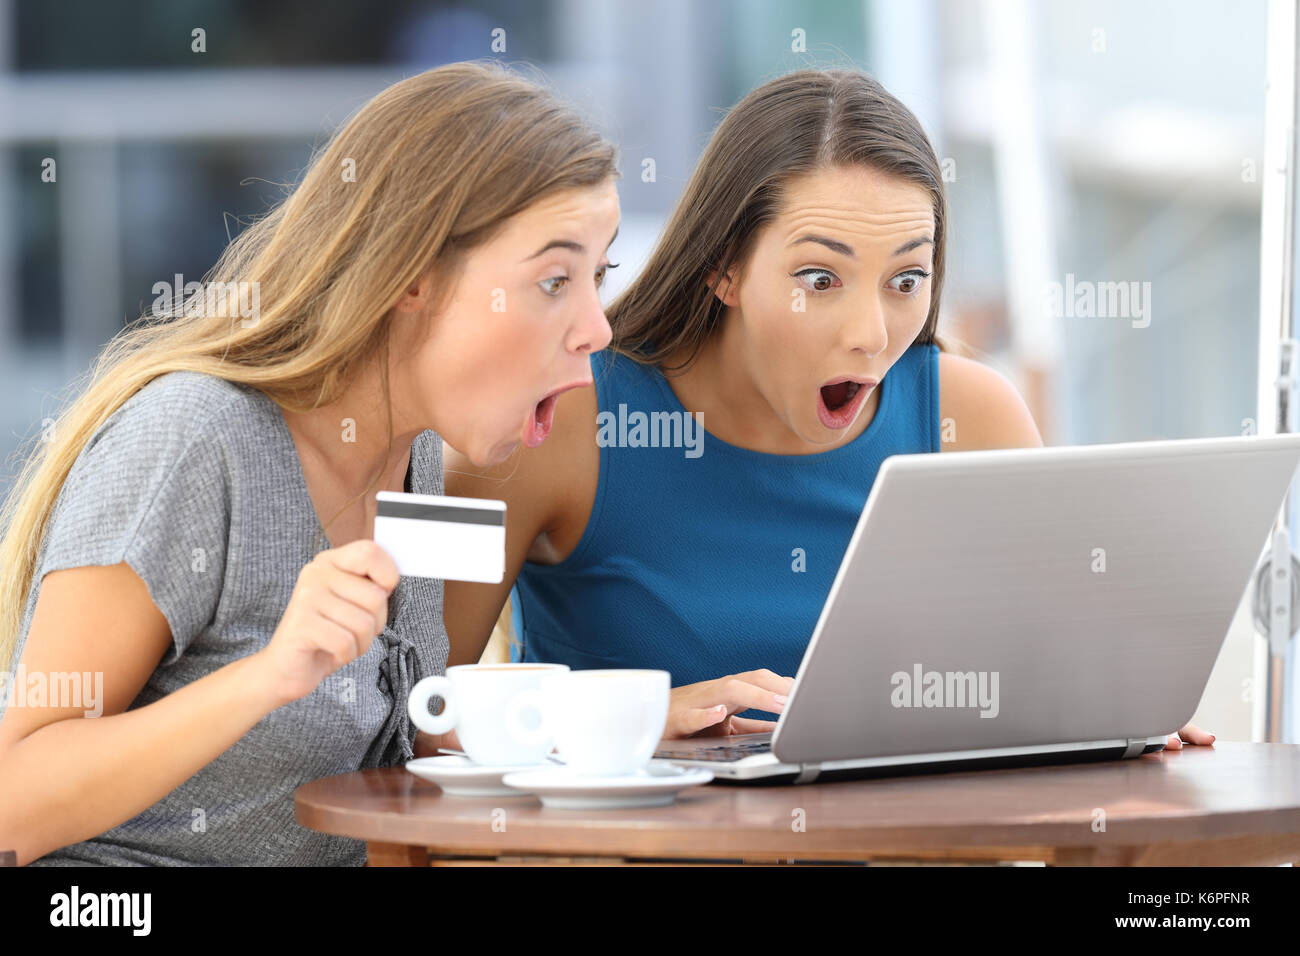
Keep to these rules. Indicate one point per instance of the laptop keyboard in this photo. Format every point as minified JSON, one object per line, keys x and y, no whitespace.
{"x":721,"y":752}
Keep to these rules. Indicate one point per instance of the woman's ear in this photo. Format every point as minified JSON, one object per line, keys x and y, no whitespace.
{"x":418,"y":296}
{"x":727,"y":290}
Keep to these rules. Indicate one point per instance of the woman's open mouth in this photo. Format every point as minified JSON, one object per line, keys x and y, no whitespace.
{"x":539,"y":425}
{"x":839,"y":401}
{"x":539,"y":422}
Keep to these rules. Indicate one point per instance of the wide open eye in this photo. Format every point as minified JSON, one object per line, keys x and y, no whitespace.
{"x":553,"y":285}
{"x":817,"y":280}
{"x":908,"y":282}
{"x":603,"y":271}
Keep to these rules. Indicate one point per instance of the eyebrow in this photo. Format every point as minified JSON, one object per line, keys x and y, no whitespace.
{"x":569,"y":244}
{"x":834,"y":245}
{"x":845,"y":250}
{"x":913,"y":244}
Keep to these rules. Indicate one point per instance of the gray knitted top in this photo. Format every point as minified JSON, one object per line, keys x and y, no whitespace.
{"x":196,"y":483}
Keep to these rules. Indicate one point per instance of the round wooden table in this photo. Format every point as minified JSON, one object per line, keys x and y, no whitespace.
{"x":1230,"y":804}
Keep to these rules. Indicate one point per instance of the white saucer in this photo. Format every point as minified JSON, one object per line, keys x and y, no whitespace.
{"x":562,"y":789}
{"x":462,"y":777}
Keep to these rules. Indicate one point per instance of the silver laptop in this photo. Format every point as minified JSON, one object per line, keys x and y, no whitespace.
{"x":1014,"y":607}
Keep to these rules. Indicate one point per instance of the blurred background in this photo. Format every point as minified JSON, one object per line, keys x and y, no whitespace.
{"x":1084,"y":141}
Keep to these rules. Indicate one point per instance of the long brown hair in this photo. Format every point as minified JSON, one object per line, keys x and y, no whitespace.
{"x":441,"y":160}
{"x":798,"y":123}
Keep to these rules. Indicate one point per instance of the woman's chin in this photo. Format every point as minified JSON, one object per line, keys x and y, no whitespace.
{"x":497,"y":453}
{"x":484,"y":455}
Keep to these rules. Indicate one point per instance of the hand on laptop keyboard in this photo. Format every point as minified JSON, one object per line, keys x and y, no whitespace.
{"x":708,"y":708}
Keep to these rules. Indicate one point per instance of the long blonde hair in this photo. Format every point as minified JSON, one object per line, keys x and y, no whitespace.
{"x":425,"y":171}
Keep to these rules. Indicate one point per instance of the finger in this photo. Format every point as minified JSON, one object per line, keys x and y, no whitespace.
{"x":357,"y":621}
{"x":336,"y":641}
{"x":768,"y":680}
{"x":748,"y":725}
{"x":364,"y":642}
{"x":741,"y":695}
{"x":362,"y":592}
{"x":366,"y":558}
{"x":1195,"y":735}
{"x":692,"y":720}
{"x":721,"y":729}
{"x":433,"y":743}
{"x":1173,"y":743}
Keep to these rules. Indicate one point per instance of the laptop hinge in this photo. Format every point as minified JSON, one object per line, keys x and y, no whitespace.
{"x":808,"y":772}
{"x":1135,"y":747}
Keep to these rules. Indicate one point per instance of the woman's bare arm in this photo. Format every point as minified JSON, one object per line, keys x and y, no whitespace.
{"x":548,"y":491}
{"x":980,"y":408}
{"x":68,"y":777}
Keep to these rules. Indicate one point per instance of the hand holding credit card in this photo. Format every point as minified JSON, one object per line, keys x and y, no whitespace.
{"x":433,"y":536}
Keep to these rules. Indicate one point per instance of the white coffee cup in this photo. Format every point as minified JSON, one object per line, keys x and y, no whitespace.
{"x":482,"y":703}
{"x":604,"y":723}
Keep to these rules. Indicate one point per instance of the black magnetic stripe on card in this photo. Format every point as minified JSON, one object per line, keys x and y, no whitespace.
{"x":425,"y":512}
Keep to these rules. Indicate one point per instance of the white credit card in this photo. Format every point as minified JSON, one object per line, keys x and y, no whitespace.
{"x":433,"y":536}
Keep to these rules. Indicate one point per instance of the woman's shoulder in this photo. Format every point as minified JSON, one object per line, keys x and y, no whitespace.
{"x":208,"y":422}
{"x":180,"y":408}
{"x":156,"y":485}
{"x":187,"y":396}
{"x":984,"y":407}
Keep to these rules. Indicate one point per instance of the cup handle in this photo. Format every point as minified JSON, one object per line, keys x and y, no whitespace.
{"x":417,"y":705}
{"x":528,"y":698}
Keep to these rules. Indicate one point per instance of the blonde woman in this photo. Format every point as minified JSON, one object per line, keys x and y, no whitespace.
{"x":197,"y":531}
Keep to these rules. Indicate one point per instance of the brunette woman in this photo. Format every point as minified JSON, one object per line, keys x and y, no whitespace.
{"x":792,"y":302}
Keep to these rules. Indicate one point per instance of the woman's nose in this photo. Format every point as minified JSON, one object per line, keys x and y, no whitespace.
{"x":591,"y":332}
{"x":865,"y":331}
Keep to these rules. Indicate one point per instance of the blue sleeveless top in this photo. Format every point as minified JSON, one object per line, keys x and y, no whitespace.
{"x":702,"y":558}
